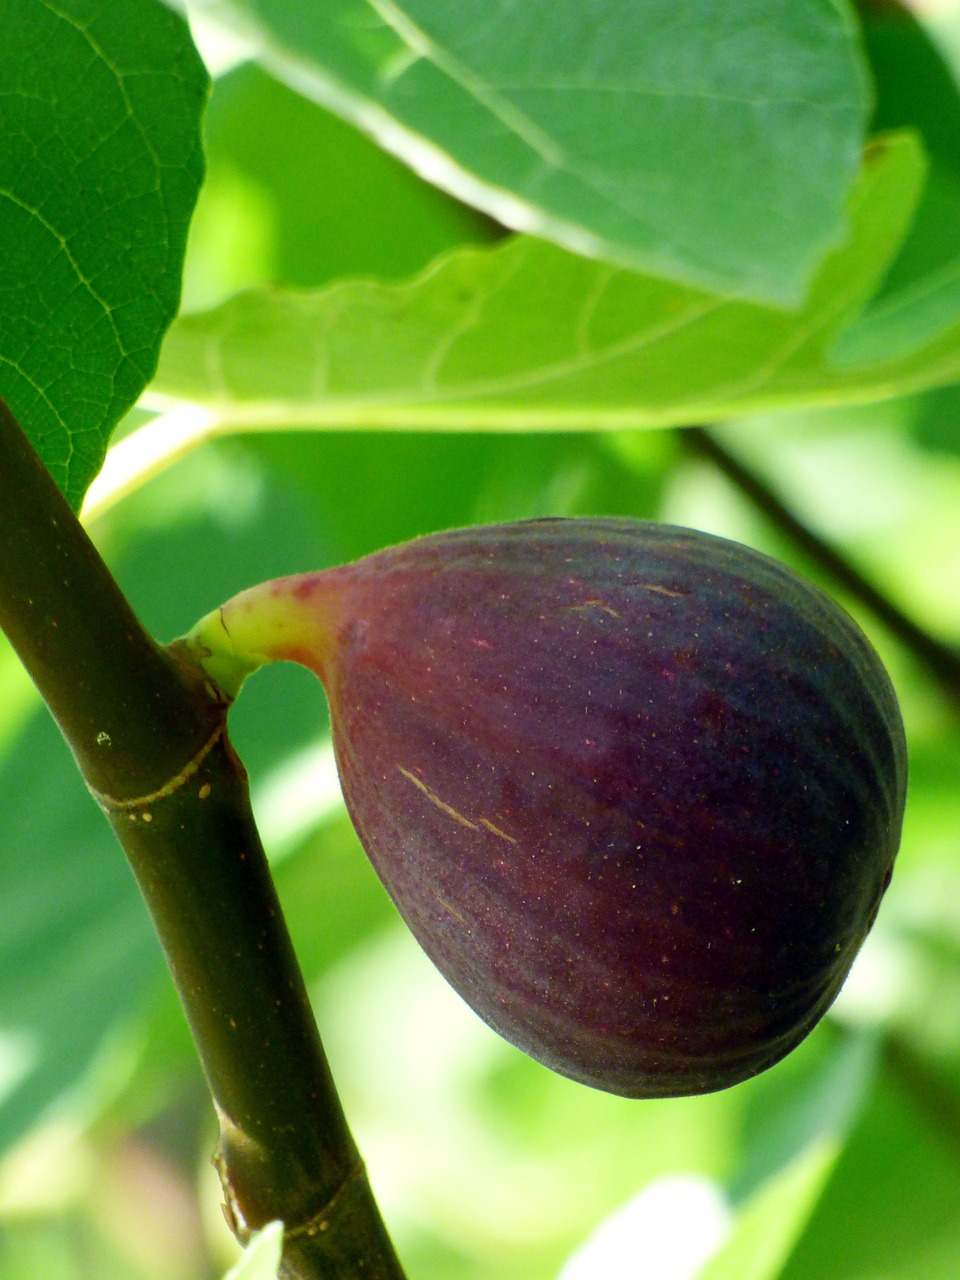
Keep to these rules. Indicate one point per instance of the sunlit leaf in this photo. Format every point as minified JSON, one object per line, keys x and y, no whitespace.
{"x":709,"y":142}
{"x":891,"y":1210}
{"x":797,"y":1121}
{"x":528,"y":336}
{"x":767,"y":1227}
{"x":271,"y":210}
{"x":99,"y":171}
{"x":920,"y":296}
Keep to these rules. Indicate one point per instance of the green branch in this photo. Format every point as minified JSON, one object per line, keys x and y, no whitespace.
{"x":150,"y":738}
{"x":941,"y":661}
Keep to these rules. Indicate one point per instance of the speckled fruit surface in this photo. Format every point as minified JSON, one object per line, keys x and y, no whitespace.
{"x":636,"y":790}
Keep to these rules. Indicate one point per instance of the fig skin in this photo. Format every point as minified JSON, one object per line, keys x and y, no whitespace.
{"x":636,"y":790}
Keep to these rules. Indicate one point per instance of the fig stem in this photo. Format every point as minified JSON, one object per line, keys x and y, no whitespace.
{"x":149,"y":736}
{"x":940,"y":660}
{"x":292,"y":618}
{"x":210,"y":645}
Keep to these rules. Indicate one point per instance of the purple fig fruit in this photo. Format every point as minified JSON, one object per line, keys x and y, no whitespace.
{"x":636,"y":790}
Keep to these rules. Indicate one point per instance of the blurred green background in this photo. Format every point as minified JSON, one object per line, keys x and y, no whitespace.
{"x":842,"y":1163}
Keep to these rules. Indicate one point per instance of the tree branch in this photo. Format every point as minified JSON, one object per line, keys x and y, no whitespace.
{"x":941,"y":661}
{"x":150,"y":739}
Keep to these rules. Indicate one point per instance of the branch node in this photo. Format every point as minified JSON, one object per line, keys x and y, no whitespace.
{"x":170,"y":787}
{"x":321,"y":1220}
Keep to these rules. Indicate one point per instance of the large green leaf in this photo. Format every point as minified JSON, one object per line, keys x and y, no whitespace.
{"x":796,"y":1118}
{"x":99,"y":170}
{"x":769,"y":1225}
{"x":528,"y":336}
{"x":891,"y":1211}
{"x":920,"y":296}
{"x":709,"y":141}
{"x":797,"y":1121}
{"x":812,"y":1098}
{"x":266,"y":216}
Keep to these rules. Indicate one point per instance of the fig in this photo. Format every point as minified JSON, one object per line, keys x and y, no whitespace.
{"x":636,"y":790}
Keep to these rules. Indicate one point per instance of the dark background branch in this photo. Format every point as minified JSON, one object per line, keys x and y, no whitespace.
{"x":942,"y":662}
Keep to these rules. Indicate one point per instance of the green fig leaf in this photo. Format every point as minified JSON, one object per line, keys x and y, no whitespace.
{"x":920,"y":296}
{"x":815,"y":1097}
{"x":264,"y":216}
{"x":798,"y":1120}
{"x":711,"y":143}
{"x":769,"y":1224}
{"x":897,"y":1144}
{"x":99,"y":171}
{"x":528,"y":336}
